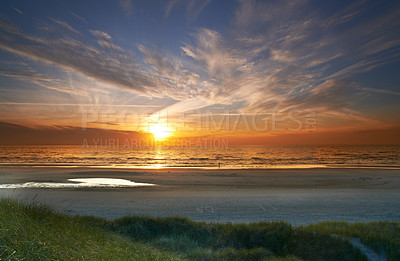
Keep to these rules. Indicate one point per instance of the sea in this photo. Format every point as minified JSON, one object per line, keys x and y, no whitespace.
{"x":209,"y":157}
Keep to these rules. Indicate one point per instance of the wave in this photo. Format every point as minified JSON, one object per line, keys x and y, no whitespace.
{"x":236,"y":157}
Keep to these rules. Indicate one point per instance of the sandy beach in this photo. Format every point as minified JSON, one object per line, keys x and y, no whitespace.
{"x":299,"y":196}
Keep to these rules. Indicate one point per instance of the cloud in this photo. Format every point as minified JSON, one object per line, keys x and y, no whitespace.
{"x":174,"y":79}
{"x":347,"y":14}
{"x":289,"y":59}
{"x":65,"y":25}
{"x":18,"y":11}
{"x":80,"y":18}
{"x":43,"y":81}
{"x":252,"y":12}
{"x":193,"y":8}
{"x":169,"y":6}
{"x":101,"y":34}
{"x":327,"y":96}
{"x":282,"y":56}
{"x":212,"y":54}
{"x":276,"y":55}
{"x":24,"y":72}
{"x":105,"y":41}
{"x":105,"y":63}
{"x":13,"y":134}
{"x":127,"y":7}
{"x":73,"y":54}
{"x":160,"y":62}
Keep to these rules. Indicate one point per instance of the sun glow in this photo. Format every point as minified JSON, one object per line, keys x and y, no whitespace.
{"x":160,"y":131}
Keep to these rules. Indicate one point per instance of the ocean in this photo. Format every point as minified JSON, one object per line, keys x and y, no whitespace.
{"x":225,"y":157}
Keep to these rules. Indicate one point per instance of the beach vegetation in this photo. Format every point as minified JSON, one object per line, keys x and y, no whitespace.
{"x":383,"y":236}
{"x":35,"y":232}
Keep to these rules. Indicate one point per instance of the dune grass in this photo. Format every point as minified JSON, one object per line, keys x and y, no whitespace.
{"x":383,"y":237}
{"x":36,"y":232}
{"x":255,"y":241}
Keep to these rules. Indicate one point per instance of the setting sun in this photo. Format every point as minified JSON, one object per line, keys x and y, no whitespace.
{"x":160,"y":131}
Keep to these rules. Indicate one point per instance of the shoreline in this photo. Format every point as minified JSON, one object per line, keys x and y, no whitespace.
{"x":178,"y":177}
{"x":160,"y":166}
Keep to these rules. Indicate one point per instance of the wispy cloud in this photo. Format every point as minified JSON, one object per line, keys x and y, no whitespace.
{"x":80,"y":18}
{"x":73,"y":54}
{"x":26,"y":73}
{"x":101,"y":34}
{"x":127,"y":7}
{"x":107,"y":62}
{"x":65,"y":25}
{"x":347,"y":14}
{"x":193,"y":8}
{"x":161,"y":63}
{"x":294,"y":62}
{"x":105,"y":41}
{"x":276,"y":55}
{"x":213,"y":55}
{"x":18,"y":11}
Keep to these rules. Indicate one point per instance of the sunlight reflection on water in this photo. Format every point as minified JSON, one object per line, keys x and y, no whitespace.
{"x":234,"y":157}
{"x":79,"y":183}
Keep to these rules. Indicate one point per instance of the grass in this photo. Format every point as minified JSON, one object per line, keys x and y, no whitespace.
{"x":383,"y":237}
{"x":255,"y":241}
{"x":36,"y":232}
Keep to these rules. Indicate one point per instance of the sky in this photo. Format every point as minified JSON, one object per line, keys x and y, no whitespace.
{"x":256,"y":72}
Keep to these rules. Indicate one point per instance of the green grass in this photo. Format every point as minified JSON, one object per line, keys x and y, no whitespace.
{"x":383,"y":237}
{"x":35,"y":232}
{"x":255,"y":241}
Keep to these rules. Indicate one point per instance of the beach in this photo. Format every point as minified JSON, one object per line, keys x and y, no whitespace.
{"x":298,"y":196}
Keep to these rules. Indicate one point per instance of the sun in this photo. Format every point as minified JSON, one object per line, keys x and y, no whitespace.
{"x":160,"y":131}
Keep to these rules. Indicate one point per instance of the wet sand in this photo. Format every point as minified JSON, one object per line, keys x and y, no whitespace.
{"x":299,"y":196}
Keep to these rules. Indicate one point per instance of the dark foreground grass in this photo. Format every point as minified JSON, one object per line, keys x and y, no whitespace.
{"x":383,"y":237}
{"x":255,"y":241}
{"x":34,"y":232}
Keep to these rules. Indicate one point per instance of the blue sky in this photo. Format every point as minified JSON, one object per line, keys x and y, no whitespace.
{"x":339,"y":59}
